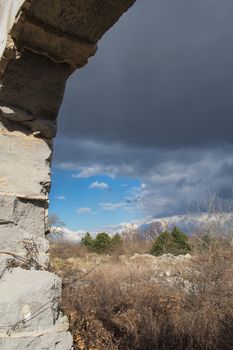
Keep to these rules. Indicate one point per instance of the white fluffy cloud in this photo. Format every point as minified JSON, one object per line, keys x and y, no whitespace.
{"x":83,"y":211}
{"x":99,"y":185}
{"x":65,"y":234}
{"x":84,"y":172}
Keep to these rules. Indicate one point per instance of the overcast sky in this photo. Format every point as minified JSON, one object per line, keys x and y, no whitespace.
{"x":153,"y":106}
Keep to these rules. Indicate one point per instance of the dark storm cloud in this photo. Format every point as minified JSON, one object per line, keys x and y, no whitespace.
{"x":162,"y":77}
{"x":156,"y":103}
{"x":175,"y":180}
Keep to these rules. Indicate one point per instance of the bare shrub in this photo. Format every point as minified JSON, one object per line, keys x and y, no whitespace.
{"x":216,"y":218}
{"x":115,"y":307}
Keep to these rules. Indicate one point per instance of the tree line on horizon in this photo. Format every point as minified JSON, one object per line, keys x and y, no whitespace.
{"x":168,"y":242}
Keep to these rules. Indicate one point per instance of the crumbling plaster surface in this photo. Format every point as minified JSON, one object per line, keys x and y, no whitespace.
{"x":41,"y":43}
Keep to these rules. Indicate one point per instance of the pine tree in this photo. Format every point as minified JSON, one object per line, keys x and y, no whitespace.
{"x":87,"y":241}
{"x":175,"y":242}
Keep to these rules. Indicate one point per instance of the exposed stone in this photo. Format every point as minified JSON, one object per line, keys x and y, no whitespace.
{"x":8,"y":12}
{"x":4,"y":261}
{"x":31,"y":311}
{"x":46,"y":41}
{"x":15,"y":114}
{"x":27,"y":215}
{"x":35,"y":84}
{"x":45,"y":128}
{"x":8,"y":54}
{"x":25,"y":162}
{"x":22,"y":226}
{"x":39,"y":290}
{"x":41,"y":43}
{"x":85,"y":19}
{"x":51,"y":341}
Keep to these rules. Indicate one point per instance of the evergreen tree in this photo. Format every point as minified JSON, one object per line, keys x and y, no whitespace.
{"x":116,"y":241}
{"x":102,"y":242}
{"x":175,"y":242}
{"x":87,"y":241}
{"x":180,"y":242}
{"x":162,"y":244}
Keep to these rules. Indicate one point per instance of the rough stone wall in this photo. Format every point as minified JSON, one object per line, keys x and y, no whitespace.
{"x":41,"y":43}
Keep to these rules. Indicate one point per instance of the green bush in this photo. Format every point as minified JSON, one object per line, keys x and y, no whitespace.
{"x":116,"y":241}
{"x":180,"y":239}
{"x":87,"y":241}
{"x":162,"y":244}
{"x":103,"y":243}
{"x":174,"y":242}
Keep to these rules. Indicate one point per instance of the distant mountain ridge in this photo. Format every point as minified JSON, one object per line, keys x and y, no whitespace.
{"x":149,"y":229}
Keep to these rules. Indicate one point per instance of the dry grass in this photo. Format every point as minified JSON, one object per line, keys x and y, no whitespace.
{"x":134,"y":246}
{"x":115,"y":307}
{"x":67,"y":250}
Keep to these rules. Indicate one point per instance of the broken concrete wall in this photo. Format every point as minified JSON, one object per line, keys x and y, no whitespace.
{"x":41,"y":43}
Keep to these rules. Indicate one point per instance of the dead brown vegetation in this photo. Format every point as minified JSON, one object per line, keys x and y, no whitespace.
{"x":114,"y":307}
{"x":66,"y":250}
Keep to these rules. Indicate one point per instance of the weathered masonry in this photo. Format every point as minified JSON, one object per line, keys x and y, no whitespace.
{"x":41,"y":43}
